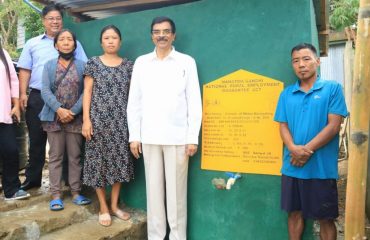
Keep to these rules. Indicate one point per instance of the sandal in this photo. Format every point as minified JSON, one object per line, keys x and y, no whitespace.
{"x":105,"y":217}
{"x":56,"y":204}
{"x":81,"y":200}
{"x":122,"y":215}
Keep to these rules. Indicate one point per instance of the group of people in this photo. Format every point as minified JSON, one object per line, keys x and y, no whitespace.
{"x":152,"y":108}
{"x":123,"y":110}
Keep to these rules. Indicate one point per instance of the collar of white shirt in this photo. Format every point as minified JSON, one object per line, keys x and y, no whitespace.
{"x":173,"y":54}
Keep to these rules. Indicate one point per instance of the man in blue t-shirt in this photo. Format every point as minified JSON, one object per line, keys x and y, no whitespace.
{"x":310,"y":113}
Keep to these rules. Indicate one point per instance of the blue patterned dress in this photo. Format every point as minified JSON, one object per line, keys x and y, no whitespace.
{"x":107,"y":155}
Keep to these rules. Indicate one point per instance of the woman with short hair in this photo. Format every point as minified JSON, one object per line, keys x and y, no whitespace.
{"x":62,"y":88}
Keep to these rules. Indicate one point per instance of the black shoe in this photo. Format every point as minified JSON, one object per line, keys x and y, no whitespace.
{"x":26,"y":185}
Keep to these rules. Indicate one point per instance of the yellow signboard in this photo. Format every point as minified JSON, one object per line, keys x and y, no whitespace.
{"x":239,"y":134}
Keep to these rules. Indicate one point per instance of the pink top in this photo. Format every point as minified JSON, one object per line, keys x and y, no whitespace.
{"x":6,"y":92}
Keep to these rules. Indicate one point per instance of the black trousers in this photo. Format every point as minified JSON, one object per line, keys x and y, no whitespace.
{"x":10,"y":156}
{"x":37,"y":138}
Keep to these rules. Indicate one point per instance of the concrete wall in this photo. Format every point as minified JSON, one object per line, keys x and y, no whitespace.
{"x":222,"y":36}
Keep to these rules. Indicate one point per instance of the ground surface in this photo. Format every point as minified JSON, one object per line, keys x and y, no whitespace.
{"x":342,"y":184}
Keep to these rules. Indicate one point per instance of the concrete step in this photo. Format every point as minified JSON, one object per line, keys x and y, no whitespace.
{"x":34,"y":220}
{"x":133,"y":229}
{"x":37,"y":195}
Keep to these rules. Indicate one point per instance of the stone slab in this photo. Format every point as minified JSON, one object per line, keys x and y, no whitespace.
{"x":133,"y":229}
{"x":34,"y":220}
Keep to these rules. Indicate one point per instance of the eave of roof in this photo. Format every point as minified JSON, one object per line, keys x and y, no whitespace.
{"x":86,"y":10}
{"x":322,"y":24}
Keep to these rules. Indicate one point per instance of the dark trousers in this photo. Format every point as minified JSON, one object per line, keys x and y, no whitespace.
{"x":37,"y":137}
{"x":9,"y":155}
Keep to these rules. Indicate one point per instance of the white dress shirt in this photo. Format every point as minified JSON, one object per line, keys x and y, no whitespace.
{"x":164,"y":105}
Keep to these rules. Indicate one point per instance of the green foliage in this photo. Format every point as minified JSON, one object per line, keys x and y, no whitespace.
{"x":12,"y":50}
{"x":344,"y":14}
{"x":11,"y":11}
{"x":32,"y":21}
{"x":8,"y":23}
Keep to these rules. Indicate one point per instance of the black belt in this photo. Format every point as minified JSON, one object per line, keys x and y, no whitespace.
{"x":35,"y":90}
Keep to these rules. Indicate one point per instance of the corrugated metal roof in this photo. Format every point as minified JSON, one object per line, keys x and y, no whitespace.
{"x":98,"y":9}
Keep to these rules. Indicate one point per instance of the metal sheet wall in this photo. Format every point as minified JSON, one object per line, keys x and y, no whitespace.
{"x":332,"y":66}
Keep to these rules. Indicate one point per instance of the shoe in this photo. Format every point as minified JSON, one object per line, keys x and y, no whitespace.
{"x":121,"y":215}
{"x":81,"y":200}
{"x":26,"y":185}
{"x":104,"y":219}
{"x":56,"y":205}
{"x":20,"y":194}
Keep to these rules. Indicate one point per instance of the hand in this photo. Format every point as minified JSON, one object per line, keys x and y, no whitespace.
{"x":16,"y":111}
{"x":191,"y":149}
{"x":298,"y":163}
{"x":135,"y":148}
{"x":300,"y":155}
{"x":65,"y":115}
{"x":87,"y":129}
{"x":23,"y":98}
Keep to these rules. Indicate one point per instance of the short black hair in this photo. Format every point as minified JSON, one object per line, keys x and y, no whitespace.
{"x":304,"y":46}
{"x":62,"y":31}
{"x":49,"y":8}
{"x":162,"y":19}
{"x":113,"y":27}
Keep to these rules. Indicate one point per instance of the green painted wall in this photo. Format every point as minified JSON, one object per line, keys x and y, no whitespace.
{"x":222,"y":36}
{"x":314,"y":32}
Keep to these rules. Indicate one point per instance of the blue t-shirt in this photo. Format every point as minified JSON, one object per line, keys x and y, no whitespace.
{"x":39,"y":50}
{"x":306,"y":114}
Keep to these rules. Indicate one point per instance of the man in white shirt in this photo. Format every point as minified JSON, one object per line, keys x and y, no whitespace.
{"x":164,"y":115}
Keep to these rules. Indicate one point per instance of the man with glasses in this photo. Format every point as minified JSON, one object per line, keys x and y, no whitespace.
{"x":164,"y":115}
{"x":36,"y":52}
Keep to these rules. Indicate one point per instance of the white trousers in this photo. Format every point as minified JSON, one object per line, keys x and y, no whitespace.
{"x":166,"y":173}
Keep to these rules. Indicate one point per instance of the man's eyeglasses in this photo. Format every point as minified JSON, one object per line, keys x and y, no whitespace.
{"x":54,"y":19}
{"x":164,"y":32}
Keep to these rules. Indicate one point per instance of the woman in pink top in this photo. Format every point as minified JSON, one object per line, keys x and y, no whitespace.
{"x":9,"y":110}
